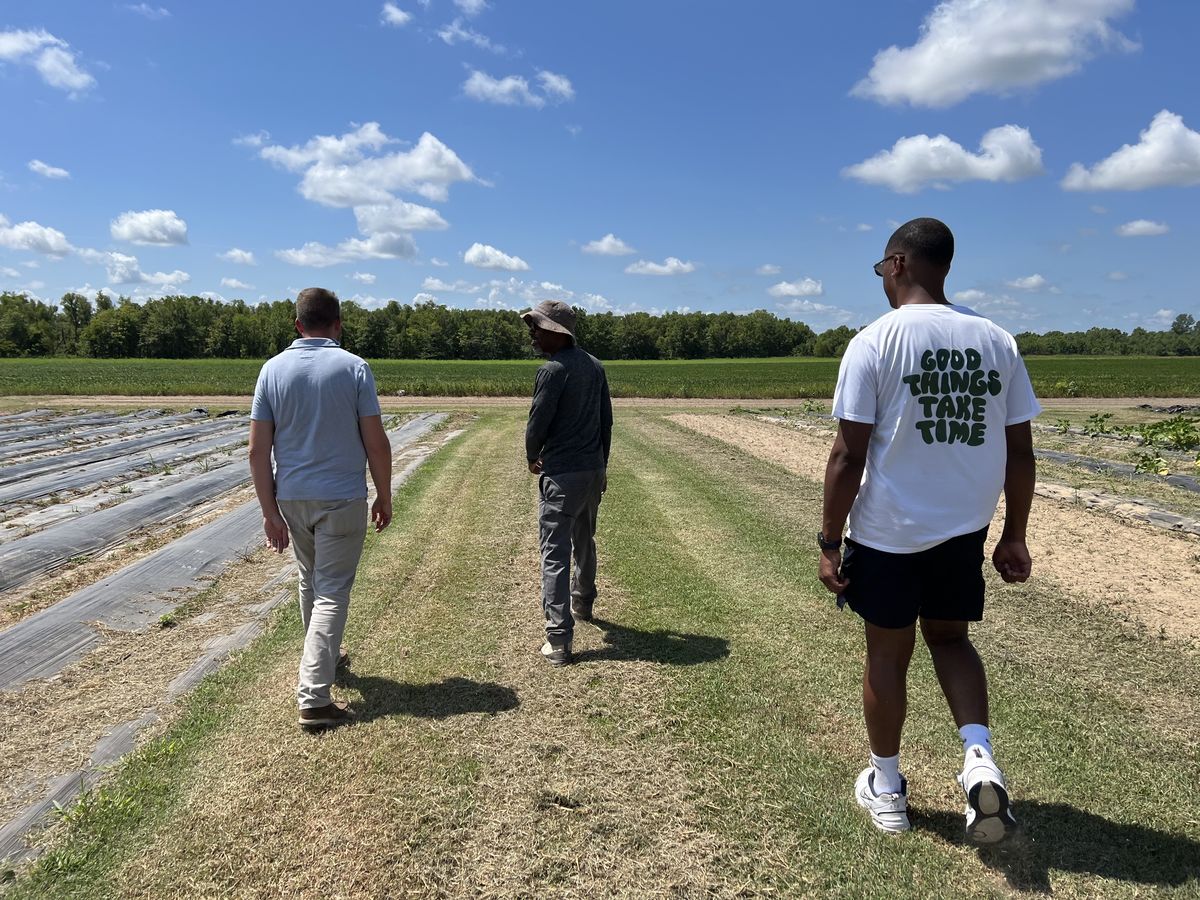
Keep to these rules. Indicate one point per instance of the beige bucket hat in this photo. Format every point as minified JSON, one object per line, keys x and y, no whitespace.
{"x":552,"y":315}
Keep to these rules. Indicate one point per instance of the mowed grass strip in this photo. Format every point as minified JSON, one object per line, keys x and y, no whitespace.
{"x":475,"y":769}
{"x":1092,"y":722}
{"x":774,"y":378}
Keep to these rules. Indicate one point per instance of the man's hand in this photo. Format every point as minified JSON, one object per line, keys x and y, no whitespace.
{"x":276,"y":530}
{"x":536,"y":466}
{"x":830,"y":571}
{"x":1011,"y":559}
{"x":381,"y":513}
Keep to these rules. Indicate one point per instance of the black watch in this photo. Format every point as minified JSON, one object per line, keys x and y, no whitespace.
{"x":825,"y":544}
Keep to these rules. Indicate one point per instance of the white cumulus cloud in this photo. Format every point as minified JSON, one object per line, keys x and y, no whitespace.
{"x":768,"y":269}
{"x":34,"y":237}
{"x":457,"y":33}
{"x":993,"y":46}
{"x":1007,"y":153}
{"x":378,"y":246}
{"x":1033,"y":282}
{"x":556,"y":87}
{"x":363,"y":277}
{"x":122,"y":268}
{"x":609,"y":245}
{"x":1167,"y":155}
{"x":1142,"y":228}
{"x":471,"y":7}
{"x":399,"y":215}
{"x":459,"y":286}
{"x":236,"y":285}
{"x":801,"y":287}
{"x":393,"y":15}
{"x":485,"y":256}
{"x":670,"y":266}
{"x":47,"y":171}
{"x":150,"y":226}
{"x":339,"y":171}
{"x":51,"y":57}
{"x":511,"y":90}
{"x":239,"y":256}
{"x":153,"y":13}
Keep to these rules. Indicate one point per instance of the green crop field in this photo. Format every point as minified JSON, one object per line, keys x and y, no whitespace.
{"x":765,"y":379}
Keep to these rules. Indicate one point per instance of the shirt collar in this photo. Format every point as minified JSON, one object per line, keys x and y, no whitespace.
{"x":313,"y":342}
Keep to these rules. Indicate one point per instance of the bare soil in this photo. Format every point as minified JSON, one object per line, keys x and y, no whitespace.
{"x":1139,"y":572}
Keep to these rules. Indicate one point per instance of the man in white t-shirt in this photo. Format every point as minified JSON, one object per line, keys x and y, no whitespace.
{"x":934,"y":404}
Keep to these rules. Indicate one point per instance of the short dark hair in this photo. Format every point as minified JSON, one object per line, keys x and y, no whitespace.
{"x":925,"y":239}
{"x":317,"y":308}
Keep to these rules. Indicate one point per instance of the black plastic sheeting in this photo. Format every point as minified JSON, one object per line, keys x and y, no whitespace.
{"x":1185,"y":482}
{"x":114,"y":449}
{"x":229,"y":433}
{"x":139,"y":594}
{"x":26,"y":558}
{"x":25,"y":431}
{"x":73,"y":437}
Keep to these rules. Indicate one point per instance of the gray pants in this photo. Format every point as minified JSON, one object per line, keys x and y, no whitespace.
{"x":567,"y":526}
{"x":327,"y":538}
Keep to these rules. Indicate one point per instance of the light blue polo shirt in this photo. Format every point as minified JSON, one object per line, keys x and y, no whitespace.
{"x":315,"y":392}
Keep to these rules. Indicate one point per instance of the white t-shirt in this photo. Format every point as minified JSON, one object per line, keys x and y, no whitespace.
{"x":939,"y":383}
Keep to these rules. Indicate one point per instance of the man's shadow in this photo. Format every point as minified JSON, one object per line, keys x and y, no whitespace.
{"x":1061,"y":837}
{"x":668,"y":647}
{"x":383,"y":697}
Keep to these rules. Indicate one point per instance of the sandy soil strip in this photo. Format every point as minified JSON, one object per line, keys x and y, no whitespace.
{"x":1139,"y":571}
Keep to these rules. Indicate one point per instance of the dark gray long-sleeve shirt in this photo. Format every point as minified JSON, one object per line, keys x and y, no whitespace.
{"x":570,"y":421}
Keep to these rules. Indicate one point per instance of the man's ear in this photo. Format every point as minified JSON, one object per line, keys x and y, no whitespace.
{"x":299,"y":328}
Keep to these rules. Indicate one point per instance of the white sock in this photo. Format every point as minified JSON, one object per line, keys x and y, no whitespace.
{"x":973,"y":735}
{"x":887,"y":773}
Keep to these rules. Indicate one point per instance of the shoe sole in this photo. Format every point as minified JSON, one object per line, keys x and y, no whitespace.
{"x":994,"y":820}
{"x":558,"y":663}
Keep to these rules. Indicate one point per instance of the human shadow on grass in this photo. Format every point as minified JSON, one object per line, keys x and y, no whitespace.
{"x":1056,"y":836}
{"x":383,"y":697}
{"x":622,"y":643}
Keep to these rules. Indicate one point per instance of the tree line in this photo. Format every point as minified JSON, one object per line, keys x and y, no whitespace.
{"x":190,"y":327}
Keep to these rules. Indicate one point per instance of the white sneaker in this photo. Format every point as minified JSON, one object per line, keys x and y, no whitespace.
{"x":889,"y":812}
{"x":989,"y":813}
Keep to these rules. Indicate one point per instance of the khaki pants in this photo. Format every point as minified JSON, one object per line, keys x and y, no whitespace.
{"x":327,"y":538}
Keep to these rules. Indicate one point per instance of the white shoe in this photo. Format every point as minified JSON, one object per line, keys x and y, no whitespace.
{"x":989,"y":812}
{"x":889,"y":812}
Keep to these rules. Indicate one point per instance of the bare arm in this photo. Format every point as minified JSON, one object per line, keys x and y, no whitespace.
{"x":262,"y":436}
{"x":379,"y":462}
{"x":1011,"y":556}
{"x":843,"y":475}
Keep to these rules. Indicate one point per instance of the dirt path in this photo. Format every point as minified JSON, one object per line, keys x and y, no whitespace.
{"x":1138,"y":571}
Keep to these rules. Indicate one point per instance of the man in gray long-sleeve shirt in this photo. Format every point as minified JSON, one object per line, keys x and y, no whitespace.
{"x":566,"y":444}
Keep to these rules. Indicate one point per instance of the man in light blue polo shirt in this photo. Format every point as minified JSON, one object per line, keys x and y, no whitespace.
{"x":315,"y":406}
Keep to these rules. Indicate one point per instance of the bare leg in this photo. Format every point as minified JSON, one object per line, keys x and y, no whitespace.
{"x":959,"y":670}
{"x":885,"y":696}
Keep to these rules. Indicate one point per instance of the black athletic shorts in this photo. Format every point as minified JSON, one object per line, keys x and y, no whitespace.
{"x":892,"y":590}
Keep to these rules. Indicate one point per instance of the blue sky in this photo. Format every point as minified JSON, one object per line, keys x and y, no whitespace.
{"x":625,"y":155}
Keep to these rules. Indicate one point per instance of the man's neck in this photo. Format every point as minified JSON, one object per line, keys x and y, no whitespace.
{"x":325,"y":335}
{"x":918,"y":294}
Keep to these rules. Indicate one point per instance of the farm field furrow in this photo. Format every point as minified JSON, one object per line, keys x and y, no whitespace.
{"x":706,"y":740}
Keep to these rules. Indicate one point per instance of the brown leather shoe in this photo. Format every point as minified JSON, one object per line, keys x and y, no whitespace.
{"x":329,"y":716}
